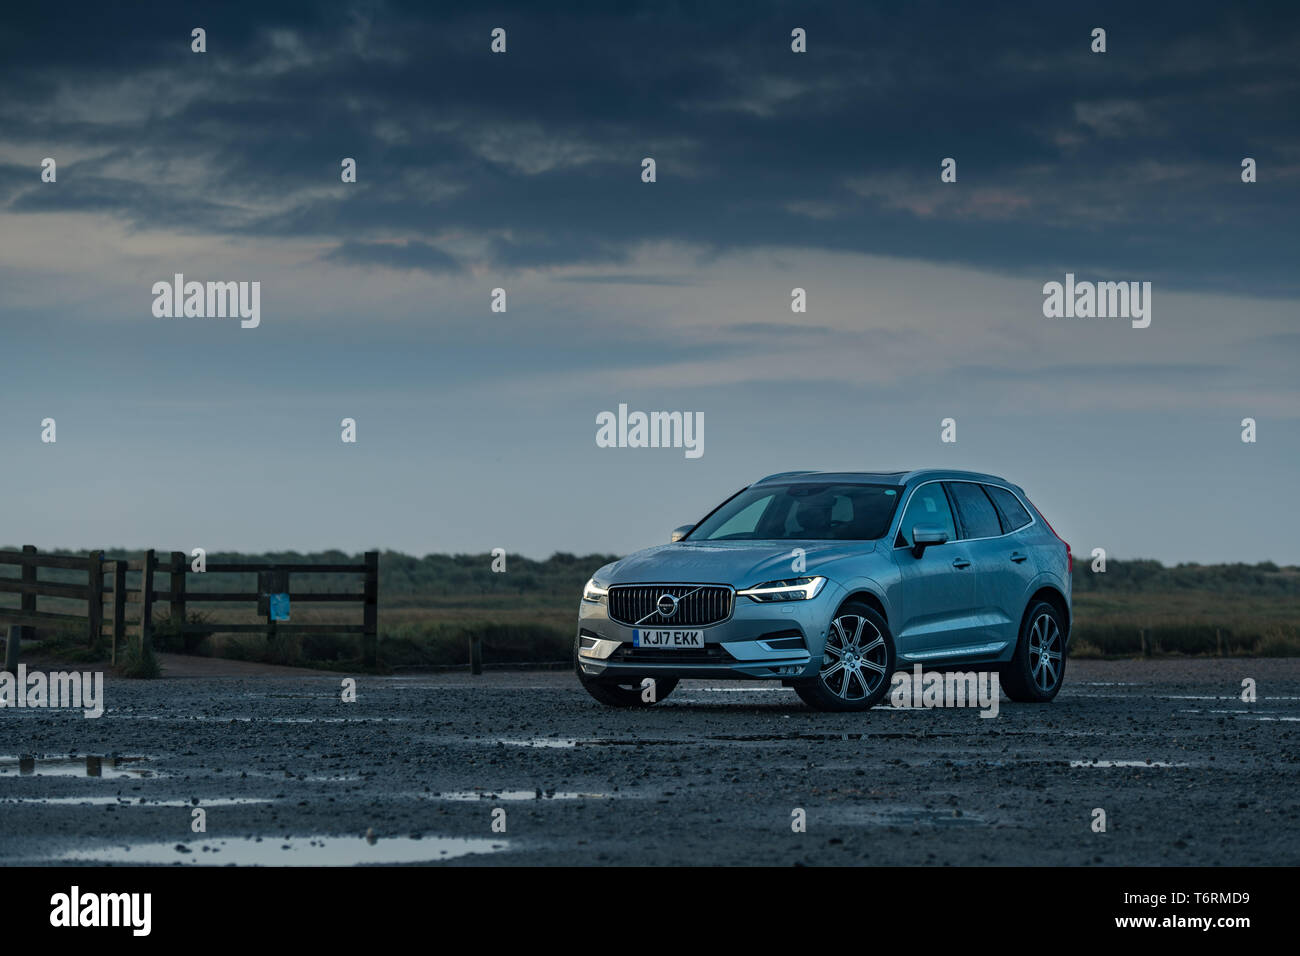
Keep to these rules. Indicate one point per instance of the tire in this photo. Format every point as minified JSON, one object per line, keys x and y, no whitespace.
{"x":623,"y":692}
{"x":860,"y":635}
{"x":1032,"y":676}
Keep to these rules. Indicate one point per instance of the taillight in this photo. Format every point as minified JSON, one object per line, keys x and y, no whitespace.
{"x":1069,"y":555}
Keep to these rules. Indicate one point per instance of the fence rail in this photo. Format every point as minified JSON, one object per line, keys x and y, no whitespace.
{"x":113,"y":594}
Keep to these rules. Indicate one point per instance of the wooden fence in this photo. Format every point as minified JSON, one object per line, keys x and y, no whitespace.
{"x":105,"y":585}
{"x":93,"y":592}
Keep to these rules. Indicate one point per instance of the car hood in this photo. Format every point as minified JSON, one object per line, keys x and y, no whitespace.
{"x":741,"y":564}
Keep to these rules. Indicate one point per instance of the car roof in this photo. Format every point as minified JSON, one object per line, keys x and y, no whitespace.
{"x":881,"y":477}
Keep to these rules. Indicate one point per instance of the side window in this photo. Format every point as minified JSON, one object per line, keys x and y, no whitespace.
{"x":929,"y":505}
{"x":1010,"y":510}
{"x":978,"y":517}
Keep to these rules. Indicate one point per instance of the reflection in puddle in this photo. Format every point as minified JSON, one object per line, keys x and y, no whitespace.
{"x":88,"y":766}
{"x":296,"y":851}
{"x":519,"y":795}
{"x":1125,"y":763}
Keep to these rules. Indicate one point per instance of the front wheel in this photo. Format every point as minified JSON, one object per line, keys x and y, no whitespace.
{"x":857,"y":663}
{"x":1034,"y":674}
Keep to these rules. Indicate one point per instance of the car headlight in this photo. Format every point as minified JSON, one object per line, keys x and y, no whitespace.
{"x":792,"y":589}
{"x":591,"y":591}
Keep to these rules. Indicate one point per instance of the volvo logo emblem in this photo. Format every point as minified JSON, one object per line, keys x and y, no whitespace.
{"x":666,"y":605}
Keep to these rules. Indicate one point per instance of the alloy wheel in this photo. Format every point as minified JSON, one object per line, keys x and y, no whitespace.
{"x":1045,"y":652}
{"x":855,"y":658}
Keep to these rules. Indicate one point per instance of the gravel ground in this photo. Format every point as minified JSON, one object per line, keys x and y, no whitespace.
{"x":288,"y":773}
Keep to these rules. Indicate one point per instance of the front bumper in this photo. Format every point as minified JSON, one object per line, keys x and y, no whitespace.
{"x":774,"y":641}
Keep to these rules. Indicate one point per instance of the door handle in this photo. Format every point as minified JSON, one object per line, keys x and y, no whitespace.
{"x":960,"y":563}
{"x":1017,"y":557}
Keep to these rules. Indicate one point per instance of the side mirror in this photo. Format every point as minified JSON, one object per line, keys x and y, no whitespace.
{"x":925,"y":536}
{"x":683,"y":531}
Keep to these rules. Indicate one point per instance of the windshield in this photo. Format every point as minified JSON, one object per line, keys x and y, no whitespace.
{"x":802,"y":510}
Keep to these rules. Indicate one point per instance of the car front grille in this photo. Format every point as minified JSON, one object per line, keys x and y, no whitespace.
{"x":697,"y":605}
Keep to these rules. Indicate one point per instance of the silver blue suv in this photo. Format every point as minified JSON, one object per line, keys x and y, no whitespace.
{"x":829,"y":582}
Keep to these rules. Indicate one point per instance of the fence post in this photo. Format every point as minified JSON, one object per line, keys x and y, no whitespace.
{"x":119,"y":605}
{"x":11,"y":649}
{"x":1142,"y":637}
{"x":95,"y":598}
{"x":29,"y":599}
{"x":176,"y":585}
{"x":476,"y":653}
{"x":1218,"y":642}
{"x":146,"y":601}
{"x":370,"y":612}
{"x":278,"y":579}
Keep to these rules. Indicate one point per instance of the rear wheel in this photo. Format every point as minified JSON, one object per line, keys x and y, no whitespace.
{"x":623,"y":692}
{"x":1035,"y":673}
{"x":857,"y":663}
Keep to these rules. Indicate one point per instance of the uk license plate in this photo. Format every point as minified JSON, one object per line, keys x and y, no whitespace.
{"x":667,"y":639}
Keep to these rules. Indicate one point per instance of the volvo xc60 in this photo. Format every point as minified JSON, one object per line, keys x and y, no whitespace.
{"x":829,"y":582}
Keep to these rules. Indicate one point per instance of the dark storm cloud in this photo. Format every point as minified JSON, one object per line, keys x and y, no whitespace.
{"x":1126,"y":162}
{"x":411,"y":254}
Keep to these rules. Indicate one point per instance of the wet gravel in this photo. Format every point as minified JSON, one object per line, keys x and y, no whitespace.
{"x":285,"y":771}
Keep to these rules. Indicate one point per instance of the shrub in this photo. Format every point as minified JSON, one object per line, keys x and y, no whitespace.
{"x":133,"y":663}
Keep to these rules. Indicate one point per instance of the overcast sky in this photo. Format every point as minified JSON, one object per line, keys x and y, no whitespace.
{"x":522,"y":171}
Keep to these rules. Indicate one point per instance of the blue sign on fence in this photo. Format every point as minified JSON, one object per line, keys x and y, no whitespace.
{"x":279,"y":607}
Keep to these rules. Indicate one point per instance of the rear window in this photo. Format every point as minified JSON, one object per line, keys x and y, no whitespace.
{"x":974,"y":510}
{"x":1011,"y":512}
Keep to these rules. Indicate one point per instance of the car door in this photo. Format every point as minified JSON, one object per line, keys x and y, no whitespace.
{"x":933,"y":599}
{"x":995,"y":561}
{"x":1014,"y":559}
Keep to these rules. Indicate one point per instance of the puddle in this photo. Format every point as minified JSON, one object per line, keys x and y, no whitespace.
{"x":1125,"y":763}
{"x":89,"y":766}
{"x":829,"y":738}
{"x":1242,"y":710}
{"x":296,"y":851}
{"x":129,"y":802}
{"x":564,"y":742}
{"x":1239,"y":714}
{"x":923,"y":817}
{"x":299,"y":778}
{"x":570,"y":742}
{"x":743,"y":690}
{"x":244,"y":719}
{"x":335,"y":720}
{"x":519,"y":795}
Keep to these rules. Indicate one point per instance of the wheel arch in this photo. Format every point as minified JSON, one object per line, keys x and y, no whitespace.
{"x":1054,"y":597}
{"x":869,"y":598}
